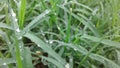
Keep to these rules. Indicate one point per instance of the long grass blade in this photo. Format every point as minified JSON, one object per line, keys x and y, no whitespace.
{"x":45,"y":47}
{"x":103,"y":41}
{"x":33,"y":22}
{"x":22,"y":13}
{"x":88,"y":24}
{"x":7,"y":61}
{"x":53,"y":61}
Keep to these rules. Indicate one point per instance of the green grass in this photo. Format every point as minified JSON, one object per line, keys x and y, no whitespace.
{"x":59,"y":33}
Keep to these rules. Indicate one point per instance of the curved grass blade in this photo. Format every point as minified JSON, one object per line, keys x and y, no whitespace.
{"x":45,"y":47}
{"x":3,"y":25}
{"x":7,"y":61}
{"x":53,"y":61}
{"x":103,"y":41}
{"x":97,"y":57}
{"x":27,"y":58}
{"x":108,"y":63}
{"x":33,"y":22}
{"x":88,"y":24}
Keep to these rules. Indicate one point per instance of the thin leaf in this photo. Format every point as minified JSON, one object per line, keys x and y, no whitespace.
{"x":53,"y":61}
{"x":33,"y":22}
{"x":88,"y":24}
{"x":45,"y":47}
{"x":92,"y":56}
{"x":27,"y":58}
{"x":108,"y":63}
{"x":104,"y":41}
{"x":6,"y":61}
{"x":3,"y":25}
{"x":22,"y":13}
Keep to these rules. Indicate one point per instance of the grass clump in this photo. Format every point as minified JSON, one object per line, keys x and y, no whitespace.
{"x":59,"y":34}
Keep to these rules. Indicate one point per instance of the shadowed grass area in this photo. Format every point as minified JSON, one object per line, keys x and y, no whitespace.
{"x":59,"y":34}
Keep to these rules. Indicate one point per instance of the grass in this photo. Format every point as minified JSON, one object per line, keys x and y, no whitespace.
{"x":59,"y":34}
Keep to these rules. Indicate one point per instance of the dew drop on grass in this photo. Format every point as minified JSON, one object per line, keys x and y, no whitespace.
{"x":16,"y":20}
{"x":71,"y":9}
{"x":20,"y":38}
{"x":71,"y":1}
{"x":67,"y":66}
{"x":4,"y":64}
{"x":20,"y":47}
{"x":46,"y":41}
{"x":13,"y":14}
{"x":95,"y":11}
{"x":39,"y":45}
{"x":75,"y":49}
{"x":50,"y":41}
{"x":47,"y":11}
{"x":9,"y":42}
{"x":18,"y":30}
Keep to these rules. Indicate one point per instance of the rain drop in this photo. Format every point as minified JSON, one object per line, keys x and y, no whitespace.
{"x":20,"y":38}
{"x":4,"y":64}
{"x":9,"y":42}
{"x":75,"y":49}
{"x":39,"y":45}
{"x":17,"y":30}
{"x":16,"y":20}
{"x":67,"y":66}
{"x":13,"y":14}
{"x":95,"y":11}
{"x":50,"y":41}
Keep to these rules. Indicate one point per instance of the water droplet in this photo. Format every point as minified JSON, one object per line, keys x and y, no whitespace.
{"x":39,"y":45}
{"x":20,"y":38}
{"x":71,"y":9}
{"x":9,"y":42}
{"x":47,"y":11}
{"x":71,"y":1}
{"x":43,"y":34}
{"x":67,"y":65}
{"x":16,"y":20}
{"x":58,"y":28}
{"x":17,"y":30}
{"x":20,"y":46}
{"x":50,"y":41}
{"x":46,"y":41}
{"x":71,"y":59}
{"x":75,"y":49}
{"x":95,"y":11}
{"x":4,"y":64}
{"x":13,"y":14}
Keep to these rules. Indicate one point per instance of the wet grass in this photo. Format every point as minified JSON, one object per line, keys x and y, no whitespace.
{"x":59,"y":34}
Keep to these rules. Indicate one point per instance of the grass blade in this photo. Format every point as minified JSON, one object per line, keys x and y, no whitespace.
{"x":33,"y":22}
{"x":45,"y":47}
{"x":53,"y":61}
{"x":3,"y":25}
{"x":22,"y":13}
{"x":88,"y":24}
{"x":104,"y":41}
{"x":27,"y":58}
{"x":6,"y":61}
{"x":92,"y":56}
